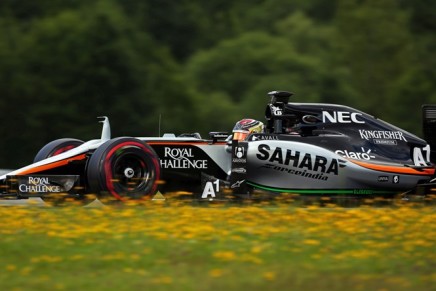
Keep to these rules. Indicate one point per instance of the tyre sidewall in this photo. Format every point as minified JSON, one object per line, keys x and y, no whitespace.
{"x":100,"y":175}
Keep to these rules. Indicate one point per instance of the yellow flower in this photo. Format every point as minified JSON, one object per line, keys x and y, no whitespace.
{"x":311,"y":242}
{"x":163,"y":280}
{"x":224,"y":255}
{"x":215,"y":273}
{"x":270,"y":276}
{"x":256,"y":249}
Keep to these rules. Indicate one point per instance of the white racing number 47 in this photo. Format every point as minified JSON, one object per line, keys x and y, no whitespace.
{"x":209,"y":191}
{"x":421,"y":156}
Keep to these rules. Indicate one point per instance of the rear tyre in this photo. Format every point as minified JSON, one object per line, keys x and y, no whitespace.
{"x":57,"y":147}
{"x":123,"y":168}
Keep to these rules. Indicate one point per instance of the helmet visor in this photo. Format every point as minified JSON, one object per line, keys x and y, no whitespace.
{"x":240,"y":135}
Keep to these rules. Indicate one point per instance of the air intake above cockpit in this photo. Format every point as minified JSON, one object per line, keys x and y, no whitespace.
{"x":280,"y":96}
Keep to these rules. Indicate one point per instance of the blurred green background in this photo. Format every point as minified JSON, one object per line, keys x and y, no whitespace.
{"x":202,"y":65}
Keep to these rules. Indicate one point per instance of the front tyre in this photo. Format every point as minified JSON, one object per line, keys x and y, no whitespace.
{"x":55,"y":148}
{"x":125,"y":168}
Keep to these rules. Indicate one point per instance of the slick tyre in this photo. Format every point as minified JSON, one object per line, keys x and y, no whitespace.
{"x":123,"y":168}
{"x":56,"y":147}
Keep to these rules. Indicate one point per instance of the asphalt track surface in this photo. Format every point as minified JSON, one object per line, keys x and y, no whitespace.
{"x":23,"y":202}
{"x":38,"y":202}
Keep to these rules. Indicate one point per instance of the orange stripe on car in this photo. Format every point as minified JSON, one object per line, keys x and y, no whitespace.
{"x":53,"y":165}
{"x":396,"y":169}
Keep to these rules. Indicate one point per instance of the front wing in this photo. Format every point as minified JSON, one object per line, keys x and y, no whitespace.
{"x":40,"y":185}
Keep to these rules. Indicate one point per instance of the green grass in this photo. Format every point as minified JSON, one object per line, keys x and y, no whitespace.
{"x":279,"y":247}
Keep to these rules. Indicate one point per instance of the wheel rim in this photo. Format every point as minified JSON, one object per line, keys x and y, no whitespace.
{"x":128,"y":171}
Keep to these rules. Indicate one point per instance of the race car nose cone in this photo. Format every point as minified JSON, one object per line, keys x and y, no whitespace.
{"x":129,"y":173}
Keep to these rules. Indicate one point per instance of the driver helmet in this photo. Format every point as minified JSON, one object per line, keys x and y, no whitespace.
{"x":246,"y":126}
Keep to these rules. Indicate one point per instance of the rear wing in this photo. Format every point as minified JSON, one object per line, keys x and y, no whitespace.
{"x":429,"y":128}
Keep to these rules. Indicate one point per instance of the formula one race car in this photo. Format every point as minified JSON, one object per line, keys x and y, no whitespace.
{"x":310,"y":149}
